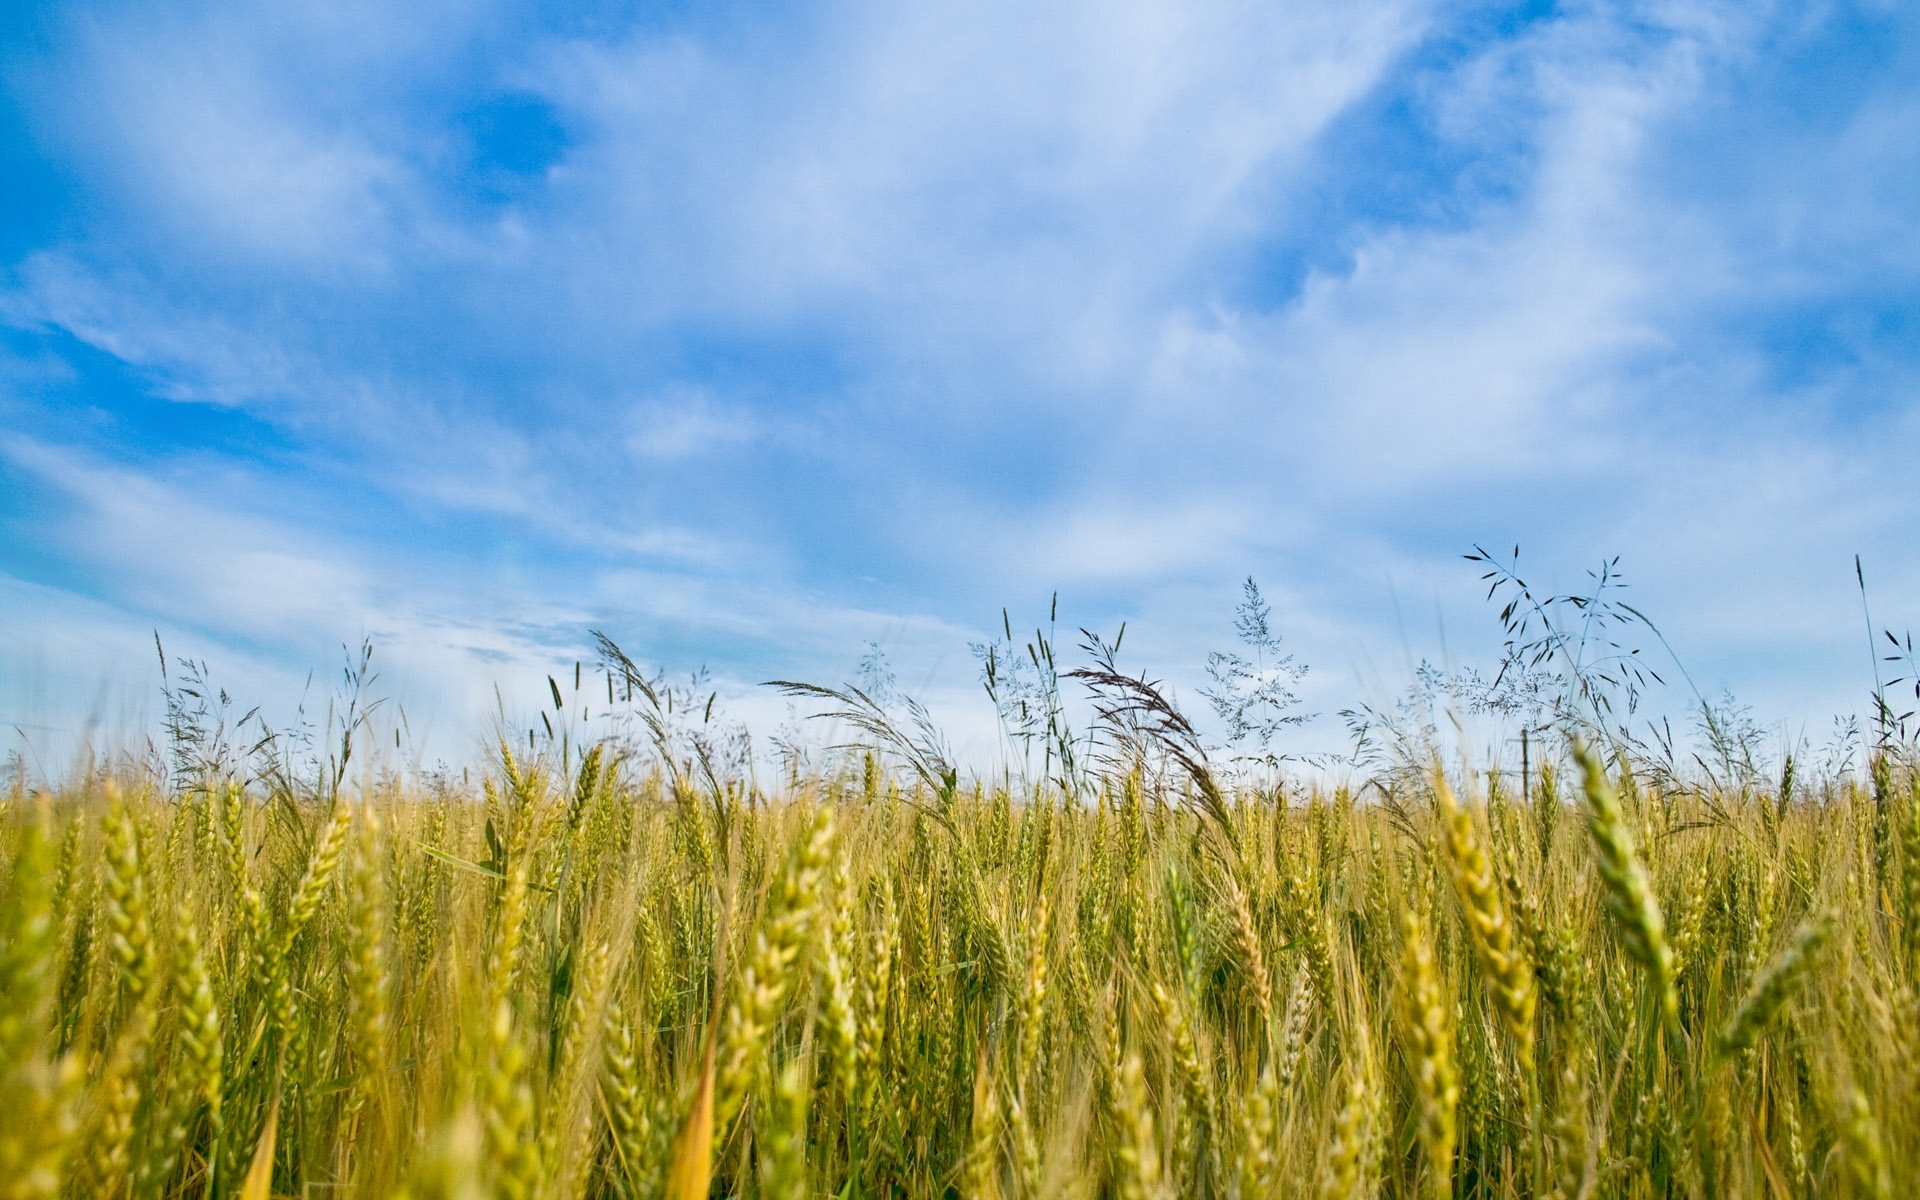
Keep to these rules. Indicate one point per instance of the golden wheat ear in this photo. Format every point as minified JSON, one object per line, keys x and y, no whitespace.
{"x":1509,"y":977}
{"x":1426,"y":1022}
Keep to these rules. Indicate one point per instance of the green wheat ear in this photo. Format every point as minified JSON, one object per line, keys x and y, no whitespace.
{"x":1629,"y":893}
{"x":1775,"y":986}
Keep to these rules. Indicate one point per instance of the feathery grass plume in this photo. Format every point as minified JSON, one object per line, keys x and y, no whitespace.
{"x":1629,"y":893}
{"x":1508,"y":975}
{"x":1427,"y":1028}
{"x":789,"y":918}
{"x":1139,"y":716}
{"x":1775,"y":986}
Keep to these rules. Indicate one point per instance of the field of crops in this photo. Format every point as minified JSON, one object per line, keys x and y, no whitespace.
{"x":605,"y":979}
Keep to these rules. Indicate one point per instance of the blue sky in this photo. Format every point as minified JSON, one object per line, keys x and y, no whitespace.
{"x":753,"y":334}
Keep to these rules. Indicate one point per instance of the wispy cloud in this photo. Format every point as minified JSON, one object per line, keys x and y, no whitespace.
{"x":754,"y":329}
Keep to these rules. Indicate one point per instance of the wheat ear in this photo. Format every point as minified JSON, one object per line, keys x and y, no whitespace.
{"x":1508,"y":975}
{"x":1629,"y":893}
{"x":763,"y":984}
{"x":1427,"y":1027}
{"x":1775,"y":986}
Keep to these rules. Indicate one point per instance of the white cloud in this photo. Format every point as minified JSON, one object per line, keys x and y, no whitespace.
{"x":196,"y":356}
{"x":685,"y":423}
{"x":964,"y":279}
{"x":1014,"y":173}
{"x":266,"y":601}
{"x":202,"y":129}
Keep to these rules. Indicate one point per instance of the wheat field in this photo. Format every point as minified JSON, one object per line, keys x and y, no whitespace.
{"x":599,"y":977}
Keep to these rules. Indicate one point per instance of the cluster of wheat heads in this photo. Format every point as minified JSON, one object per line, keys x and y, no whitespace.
{"x":602,"y":983}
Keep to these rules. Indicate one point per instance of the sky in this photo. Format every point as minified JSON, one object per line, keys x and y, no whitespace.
{"x":759,"y":335}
